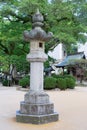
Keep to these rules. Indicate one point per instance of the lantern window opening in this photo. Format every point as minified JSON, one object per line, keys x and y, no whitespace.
{"x":40,"y":44}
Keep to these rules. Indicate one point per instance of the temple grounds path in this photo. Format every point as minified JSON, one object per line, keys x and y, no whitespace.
{"x":71,"y":105}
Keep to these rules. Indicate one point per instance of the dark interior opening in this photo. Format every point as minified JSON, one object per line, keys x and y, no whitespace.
{"x":40,"y":45}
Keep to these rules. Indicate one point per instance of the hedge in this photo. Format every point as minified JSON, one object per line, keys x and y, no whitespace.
{"x":24,"y":82}
{"x":61,"y":83}
{"x":70,"y":83}
{"x":49,"y":83}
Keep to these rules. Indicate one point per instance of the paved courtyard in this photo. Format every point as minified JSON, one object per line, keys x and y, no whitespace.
{"x":71,"y":105}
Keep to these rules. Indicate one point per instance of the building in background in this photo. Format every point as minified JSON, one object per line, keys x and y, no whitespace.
{"x":83,"y":48}
{"x":58,"y":53}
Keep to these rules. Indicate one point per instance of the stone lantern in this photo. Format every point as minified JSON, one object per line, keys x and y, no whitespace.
{"x":36,"y":107}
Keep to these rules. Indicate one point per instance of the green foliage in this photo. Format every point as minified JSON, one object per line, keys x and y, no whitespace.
{"x":59,"y":81}
{"x":4,"y":63}
{"x":61,"y":84}
{"x":65,"y":81}
{"x":22,"y":65}
{"x":49,"y":83}
{"x":82,"y":12}
{"x":24,"y":82}
{"x":70,"y":77}
{"x":5,"y":82}
{"x":70,"y":83}
{"x":57,"y":76}
{"x":59,"y":17}
{"x":67,"y":27}
{"x":64,"y":76}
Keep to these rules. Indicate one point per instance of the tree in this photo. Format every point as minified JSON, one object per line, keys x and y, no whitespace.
{"x":15,"y":17}
{"x":81,"y":69}
{"x":65,"y":22}
{"x":61,"y":17}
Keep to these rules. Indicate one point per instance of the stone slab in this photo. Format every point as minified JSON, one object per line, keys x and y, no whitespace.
{"x":34,"y":97}
{"x":36,"y":109}
{"x":36,"y":119}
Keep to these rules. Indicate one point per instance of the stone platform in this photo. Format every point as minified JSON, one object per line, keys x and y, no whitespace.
{"x":36,"y":119}
{"x":36,"y":109}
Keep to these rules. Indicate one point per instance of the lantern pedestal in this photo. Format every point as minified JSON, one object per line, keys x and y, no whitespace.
{"x":36,"y":119}
{"x":36,"y":109}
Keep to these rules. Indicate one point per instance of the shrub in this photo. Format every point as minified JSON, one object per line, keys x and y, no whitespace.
{"x":57,"y":76}
{"x":24,"y":82}
{"x":49,"y":83}
{"x":61,"y":83}
{"x":70,"y":76}
{"x":5,"y":82}
{"x":70,"y":83}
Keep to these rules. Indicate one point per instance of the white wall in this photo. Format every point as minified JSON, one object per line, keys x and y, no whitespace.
{"x":57,"y":53}
{"x":82,"y":47}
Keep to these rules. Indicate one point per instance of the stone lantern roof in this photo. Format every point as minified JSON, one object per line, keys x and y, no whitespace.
{"x":37,"y":33}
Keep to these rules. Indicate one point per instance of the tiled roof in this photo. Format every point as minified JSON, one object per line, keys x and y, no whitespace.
{"x":69,"y":60}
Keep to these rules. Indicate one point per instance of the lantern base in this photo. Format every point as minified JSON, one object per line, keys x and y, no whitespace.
{"x":36,"y":119}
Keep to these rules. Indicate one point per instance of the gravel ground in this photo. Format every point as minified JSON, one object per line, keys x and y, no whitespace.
{"x":70,"y":104}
